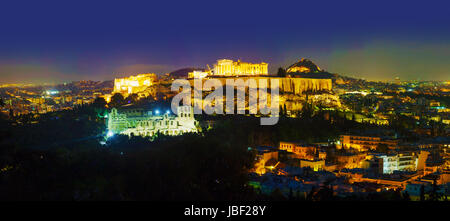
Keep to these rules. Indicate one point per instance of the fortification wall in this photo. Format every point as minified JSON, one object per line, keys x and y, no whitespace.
{"x":289,"y":85}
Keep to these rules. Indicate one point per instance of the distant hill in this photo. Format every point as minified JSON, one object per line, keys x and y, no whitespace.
{"x":107,"y":84}
{"x":303,"y":66}
{"x":306,"y":68}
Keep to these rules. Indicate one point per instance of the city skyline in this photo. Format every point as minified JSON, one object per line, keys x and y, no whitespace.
{"x":251,"y":106}
{"x":97,"y":41}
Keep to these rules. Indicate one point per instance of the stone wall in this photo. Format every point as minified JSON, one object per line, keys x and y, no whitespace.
{"x":289,"y":85}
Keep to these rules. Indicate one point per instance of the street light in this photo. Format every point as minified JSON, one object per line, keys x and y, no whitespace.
{"x":109,"y":134}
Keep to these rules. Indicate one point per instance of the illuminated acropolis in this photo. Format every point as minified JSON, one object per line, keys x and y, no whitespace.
{"x":133,"y":84}
{"x":225,"y":67}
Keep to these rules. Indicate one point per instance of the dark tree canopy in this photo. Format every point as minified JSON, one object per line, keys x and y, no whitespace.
{"x":281,"y":72}
{"x":117,"y":100}
{"x":131,"y":99}
{"x":99,"y":102}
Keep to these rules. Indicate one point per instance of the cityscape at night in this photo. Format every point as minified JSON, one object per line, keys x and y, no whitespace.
{"x":262,"y":102}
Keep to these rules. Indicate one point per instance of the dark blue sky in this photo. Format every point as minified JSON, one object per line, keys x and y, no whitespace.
{"x":44,"y":41}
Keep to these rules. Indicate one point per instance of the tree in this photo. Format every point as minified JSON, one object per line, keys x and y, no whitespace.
{"x":297,"y":195}
{"x":131,"y":99}
{"x":146,"y":100}
{"x":99,"y":102}
{"x":310,"y":195}
{"x":2,"y":103}
{"x":325,"y":193}
{"x":434,"y":194}
{"x":11,"y":113}
{"x":422,"y":193}
{"x":277,"y":195}
{"x":406,"y":196}
{"x":281,"y":72}
{"x":117,"y":100}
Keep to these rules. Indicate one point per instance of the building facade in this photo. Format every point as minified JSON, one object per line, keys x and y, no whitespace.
{"x":263,"y":156}
{"x":405,"y":161}
{"x":133,"y":84}
{"x":225,"y":67}
{"x":147,"y":123}
{"x":315,"y":165}
{"x":198,"y":74}
{"x":365,"y":143}
{"x":301,"y":150}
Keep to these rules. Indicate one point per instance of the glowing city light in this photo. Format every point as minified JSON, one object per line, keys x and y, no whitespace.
{"x":52,"y":92}
{"x":109,"y":134}
{"x":157,"y":112}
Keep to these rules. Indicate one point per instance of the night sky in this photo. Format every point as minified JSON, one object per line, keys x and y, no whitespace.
{"x":56,"y":41}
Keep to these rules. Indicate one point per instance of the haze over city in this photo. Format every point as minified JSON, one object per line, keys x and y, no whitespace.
{"x":53,"y":42}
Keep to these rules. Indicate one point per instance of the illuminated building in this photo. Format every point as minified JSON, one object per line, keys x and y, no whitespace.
{"x":133,"y":84}
{"x":364,"y":143}
{"x":198,"y":74}
{"x":264,"y":156}
{"x":107,"y":97}
{"x":350,"y":160}
{"x":247,"y":71}
{"x":36,"y":100}
{"x":146,"y":123}
{"x":79,"y":102}
{"x":434,"y":103}
{"x":316,"y":165}
{"x":408,"y":161}
{"x":225,"y":67}
{"x":68,"y":99}
{"x":302,"y":151}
